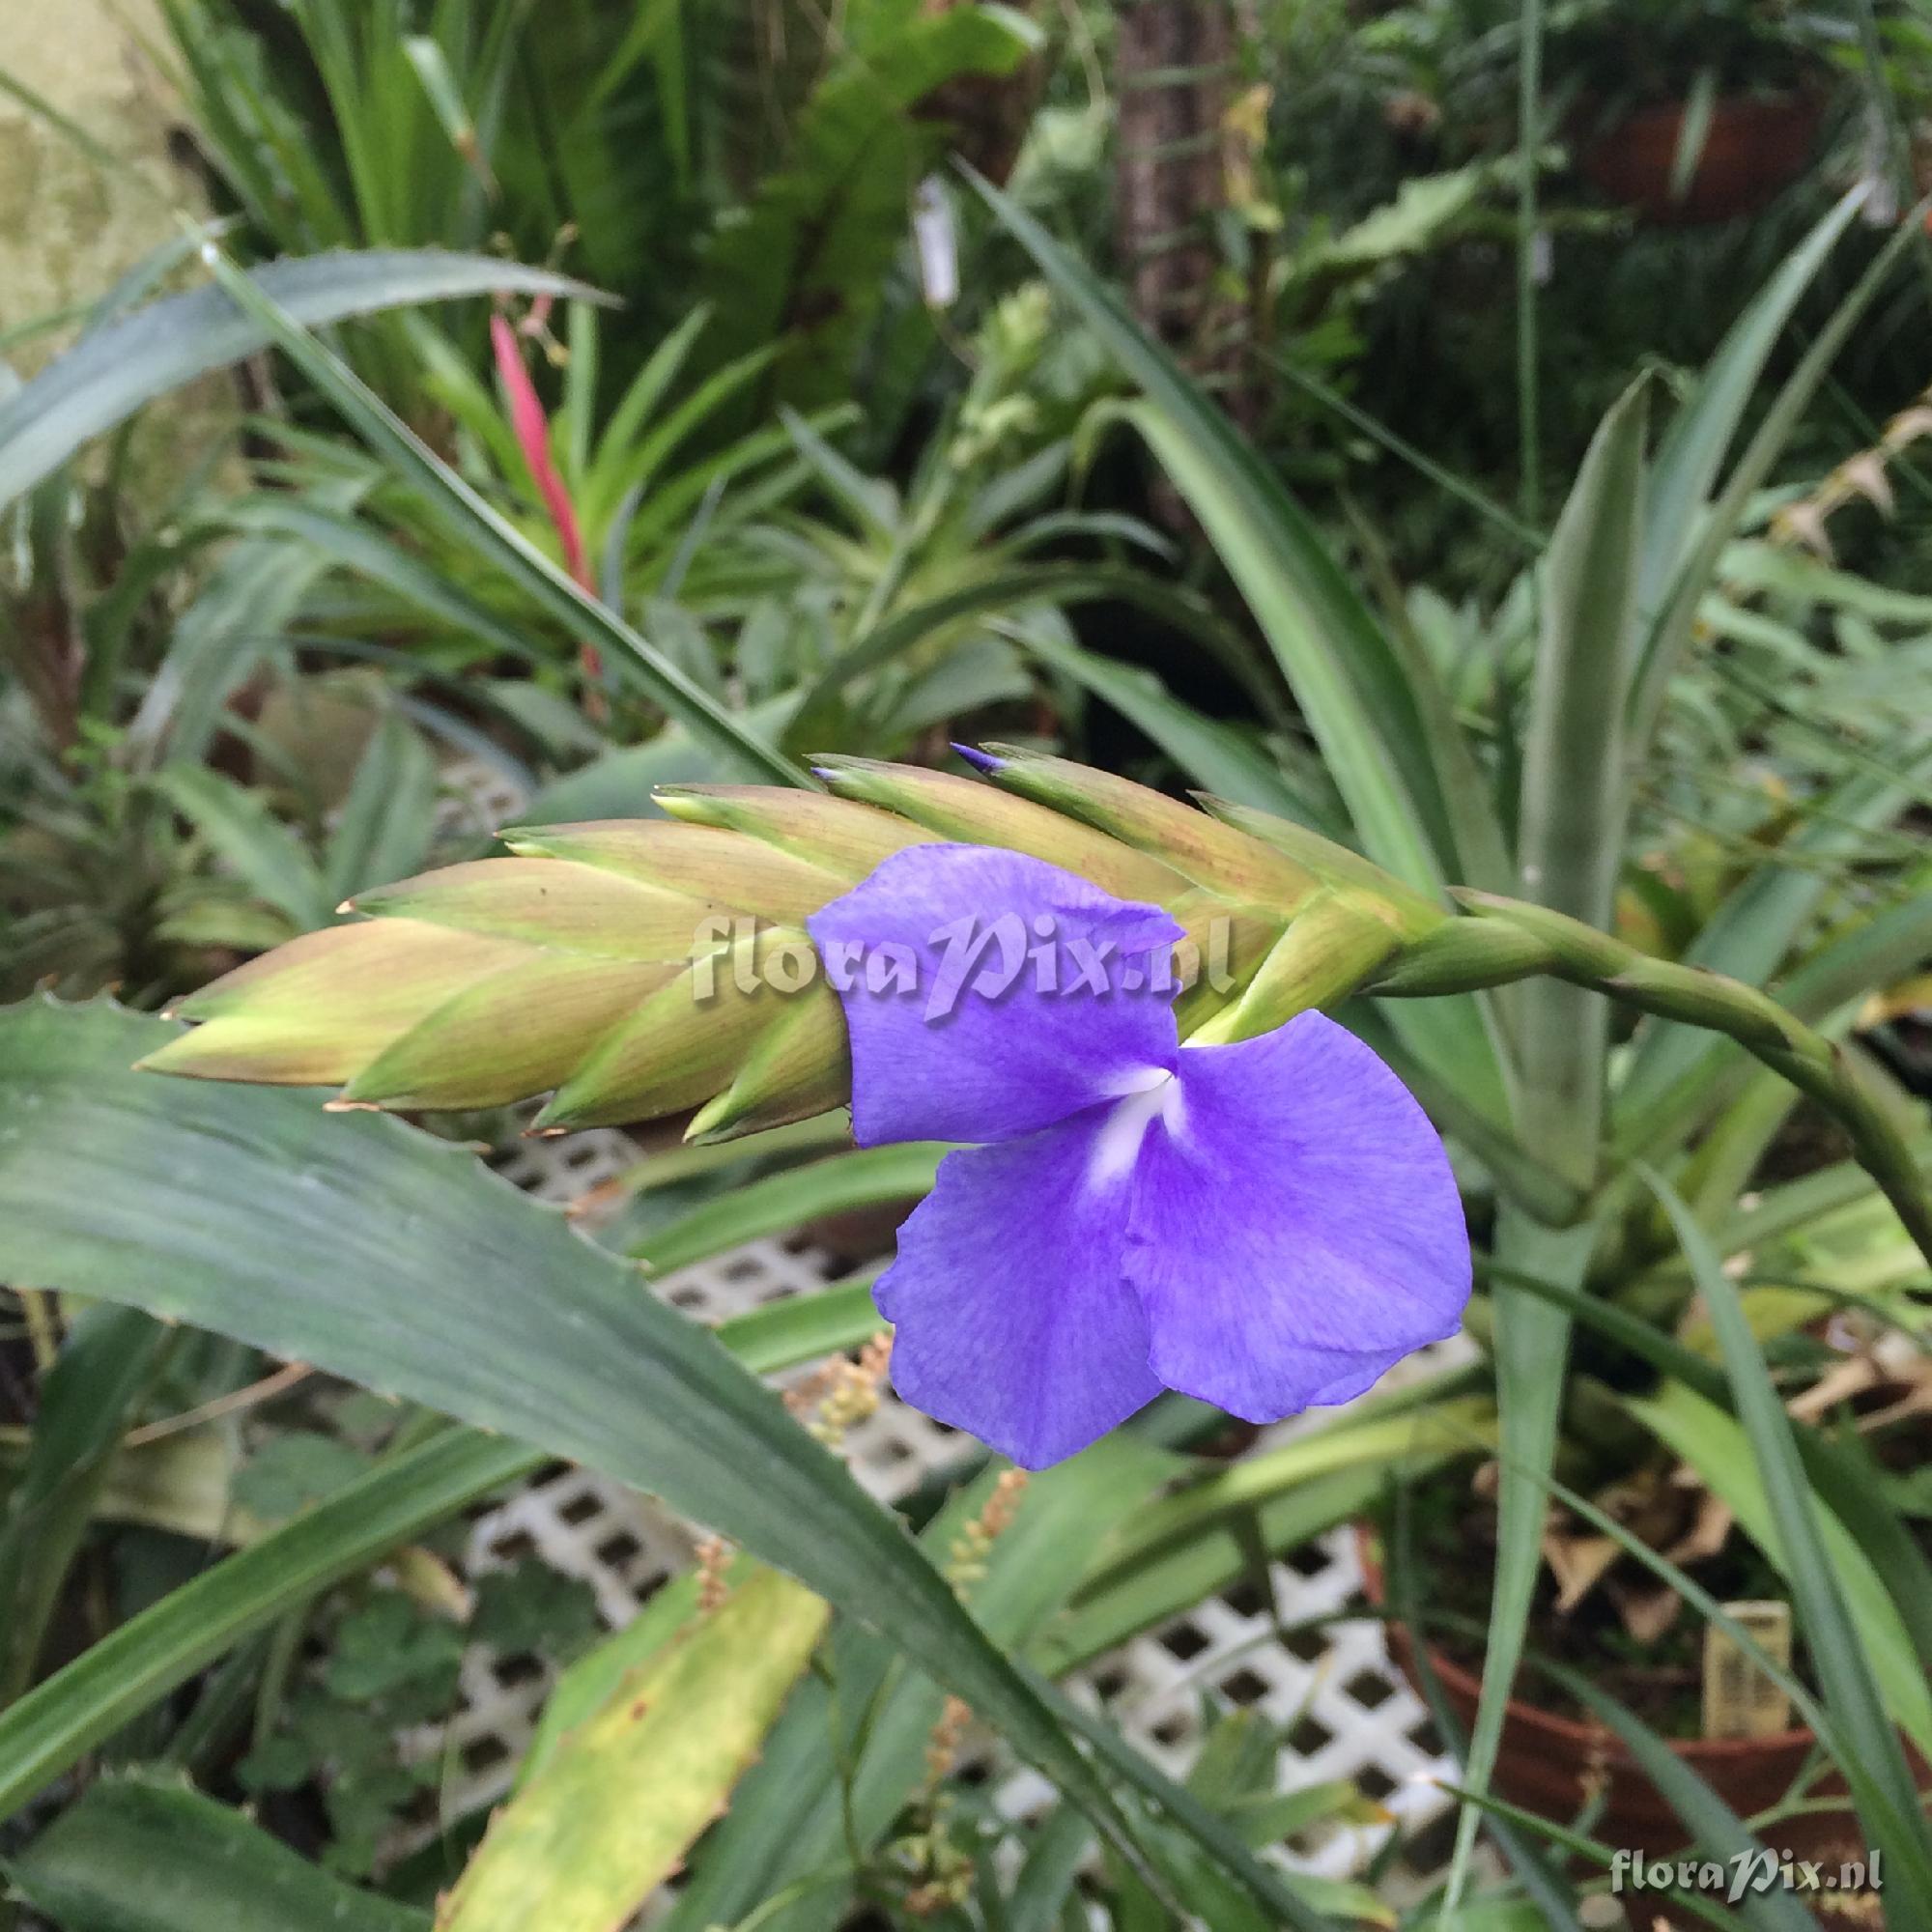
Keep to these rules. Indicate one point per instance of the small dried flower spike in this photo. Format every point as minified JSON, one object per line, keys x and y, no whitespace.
{"x":1264,"y":1226}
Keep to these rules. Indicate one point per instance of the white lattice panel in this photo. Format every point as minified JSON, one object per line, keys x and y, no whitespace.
{"x":477,"y":799}
{"x":1344,"y":1710}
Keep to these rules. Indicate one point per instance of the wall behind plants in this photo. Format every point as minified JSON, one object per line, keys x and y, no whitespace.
{"x":70,"y":225}
{"x":74,"y":223}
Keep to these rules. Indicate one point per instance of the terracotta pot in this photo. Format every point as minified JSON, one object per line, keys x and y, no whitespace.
{"x":1550,"y":1764}
{"x":1754,"y":146}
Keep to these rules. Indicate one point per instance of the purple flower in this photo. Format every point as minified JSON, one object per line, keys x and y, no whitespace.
{"x":1263,"y":1225}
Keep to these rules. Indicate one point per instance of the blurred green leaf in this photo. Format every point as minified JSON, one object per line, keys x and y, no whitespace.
{"x":867,"y":1178}
{"x":806,"y":261}
{"x":293,"y":1469}
{"x":376,"y":1253}
{"x":388,"y":819}
{"x":386,"y":1643}
{"x":266,"y":856}
{"x":120,"y":366}
{"x":529,"y":1606}
{"x":109,"y":1357}
{"x":133,"y":1856}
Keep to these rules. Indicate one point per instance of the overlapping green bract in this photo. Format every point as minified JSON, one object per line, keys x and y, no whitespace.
{"x":632,"y":968}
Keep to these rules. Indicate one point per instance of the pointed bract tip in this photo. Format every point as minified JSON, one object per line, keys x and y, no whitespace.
{"x":687,"y":805}
{"x":979,"y":761}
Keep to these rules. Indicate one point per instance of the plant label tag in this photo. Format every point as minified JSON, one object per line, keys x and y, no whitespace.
{"x":1739,"y":1700}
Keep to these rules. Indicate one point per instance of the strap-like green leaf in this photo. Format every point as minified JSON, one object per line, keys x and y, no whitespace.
{"x":124,"y":365}
{"x":134,"y":1855}
{"x":1571,"y":849}
{"x":57,"y":1723}
{"x":107,"y":1361}
{"x":866,"y":1178}
{"x":382,"y":1255}
{"x":1691,"y":451}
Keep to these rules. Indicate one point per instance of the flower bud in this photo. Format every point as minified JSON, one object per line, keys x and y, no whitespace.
{"x":554,"y":904}
{"x":1225,"y":860}
{"x":697,"y":862}
{"x":314,"y":1011}
{"x":1332,"y":863}
{"x":682,"y":1044}
{"x":518,"y":1032}
{"x":971,"y":813}
{"x":1331,"y":946}
{"x":801,"y":1066}
{"x":845,"y":839}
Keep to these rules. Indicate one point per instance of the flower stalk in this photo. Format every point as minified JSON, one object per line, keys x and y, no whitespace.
{"x":1504,"y":940}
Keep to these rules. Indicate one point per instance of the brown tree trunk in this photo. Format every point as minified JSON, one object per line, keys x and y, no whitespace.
{"x":1174,"y":76}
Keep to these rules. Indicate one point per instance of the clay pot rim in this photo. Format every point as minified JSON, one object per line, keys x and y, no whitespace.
{"x":1594,"y":1738}
{"x":1811,"y":96}
{"x":1590,"y":126}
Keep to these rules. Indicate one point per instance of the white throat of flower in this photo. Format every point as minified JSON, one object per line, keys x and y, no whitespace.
{"x":1146,"y":1093}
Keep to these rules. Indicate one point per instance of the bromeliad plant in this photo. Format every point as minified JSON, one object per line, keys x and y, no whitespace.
{"x":1497,"y":1016}
{"x":1260,"y":1217}
{"x":811,"y":601}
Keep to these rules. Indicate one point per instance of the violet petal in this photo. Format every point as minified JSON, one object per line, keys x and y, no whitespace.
{"x":1296,"y":1229}
{"x":1012,"y":1314}
{"x":954,"y":1035}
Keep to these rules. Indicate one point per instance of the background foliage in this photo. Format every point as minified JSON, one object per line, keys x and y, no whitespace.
{"x":1287,"y":402}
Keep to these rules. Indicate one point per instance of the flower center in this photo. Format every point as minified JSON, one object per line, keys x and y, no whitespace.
{"x":1146,"y":1094}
